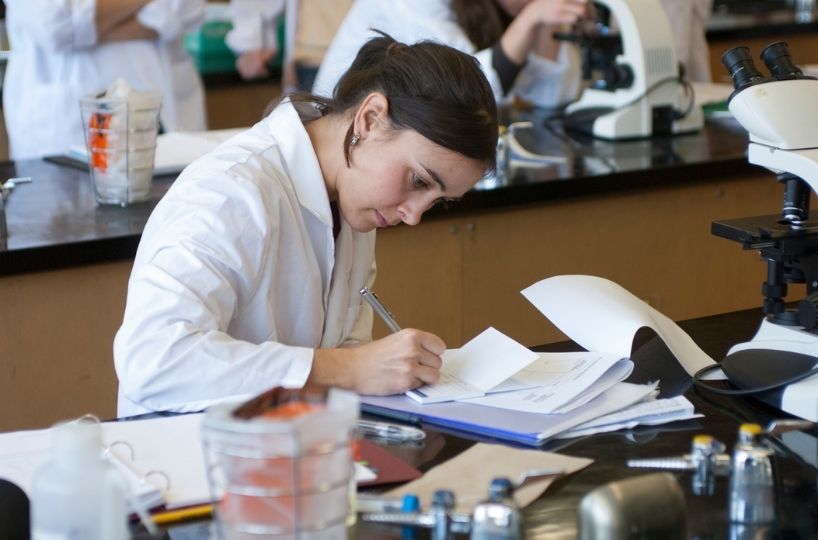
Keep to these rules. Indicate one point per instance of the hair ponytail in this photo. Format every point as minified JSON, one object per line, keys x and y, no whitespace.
{"x":433,"y":89}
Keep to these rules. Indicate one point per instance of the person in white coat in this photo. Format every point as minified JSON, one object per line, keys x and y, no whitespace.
{"x":688,"y":19}
{"x":248,"y":272}
{"x":512,"y":39}
{"x":62,"y":51}
{"x":254,"y":36}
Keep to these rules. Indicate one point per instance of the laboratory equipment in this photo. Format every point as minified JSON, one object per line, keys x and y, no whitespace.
{"x":750,"y":468}
{"x":498,"y":517}
{"x":637,"y":89}
{"x":120,"y":136}
{"x":78,"y":494}
{"x":706,"y":460}
{"x":752,"y":493}
{"x":440,"y":518}
{"x":648,"y":506}
{"x":779,"y":111}
{"x":280,"y":465}
{"x":5,"y":191}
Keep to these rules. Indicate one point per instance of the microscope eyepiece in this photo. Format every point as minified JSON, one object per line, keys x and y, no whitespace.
{"x":740,"y":65}
{"x":776,"y":57}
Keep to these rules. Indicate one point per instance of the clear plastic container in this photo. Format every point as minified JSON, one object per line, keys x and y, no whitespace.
{"x":120,"y":137}
{"x":77,"y":494}
{"x":282,"y":477}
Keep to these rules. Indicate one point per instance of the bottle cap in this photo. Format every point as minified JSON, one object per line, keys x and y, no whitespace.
{"x":77,"y":438}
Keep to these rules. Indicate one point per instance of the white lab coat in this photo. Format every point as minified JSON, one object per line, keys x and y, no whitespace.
{"x":237,"y":278}
{"x":56,"y":60}
{"x":542,"y":81}
{"x":688,"y":19}
{"x":255,"y":25}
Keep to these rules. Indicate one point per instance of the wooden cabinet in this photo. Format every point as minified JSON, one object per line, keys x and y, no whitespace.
{"x":456,"y":276}
{"x":56,"y":349}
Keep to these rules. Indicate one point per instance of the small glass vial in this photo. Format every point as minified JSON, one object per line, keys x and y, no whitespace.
{"x":752,"y":498}
{"x":78,"y":494}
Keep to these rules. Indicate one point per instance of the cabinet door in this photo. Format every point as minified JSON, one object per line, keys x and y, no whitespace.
{"x":419,"y":277}
{"x":654,"y":242}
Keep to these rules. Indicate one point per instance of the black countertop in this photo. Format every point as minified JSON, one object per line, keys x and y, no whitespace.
{"x":53,"y":221}
{"x":724,"y":25}
{"x":554,"y":515}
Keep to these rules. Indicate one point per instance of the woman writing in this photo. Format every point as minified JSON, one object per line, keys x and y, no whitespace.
{"x":248,"y":271}
{"x":512,"y":39}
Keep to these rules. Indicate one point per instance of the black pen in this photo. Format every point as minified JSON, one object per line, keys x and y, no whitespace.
{"x":380,"y":309}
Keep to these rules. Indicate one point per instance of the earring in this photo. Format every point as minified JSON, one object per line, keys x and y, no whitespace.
{"x":354,"y":140}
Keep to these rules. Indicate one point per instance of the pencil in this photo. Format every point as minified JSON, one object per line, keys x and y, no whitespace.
{"x":183,"y":514}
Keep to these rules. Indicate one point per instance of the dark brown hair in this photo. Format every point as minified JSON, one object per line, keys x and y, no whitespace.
{"x":435,"y":90}
{"x":483,"y":21}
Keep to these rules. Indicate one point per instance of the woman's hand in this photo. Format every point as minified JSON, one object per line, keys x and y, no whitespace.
{"x":391,"y":365}
{"x":555,"y":12}
{"x":253,"y":64}
{"x":532,"y":28}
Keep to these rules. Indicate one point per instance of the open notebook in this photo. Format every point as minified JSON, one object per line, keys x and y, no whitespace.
{"x":163,"y":462}
{"x":160,"y":458}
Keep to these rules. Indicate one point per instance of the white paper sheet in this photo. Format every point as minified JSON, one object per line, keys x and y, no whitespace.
{"x":556,"y":379}
{"x":505,"y":424}
{"x":648,"y":413}
{"x":477,"y":367}
{"x":600,"y":315}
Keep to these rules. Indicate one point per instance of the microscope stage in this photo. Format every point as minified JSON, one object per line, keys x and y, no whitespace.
{"x":766,"y":231}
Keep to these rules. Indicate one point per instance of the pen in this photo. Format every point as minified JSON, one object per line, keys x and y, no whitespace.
{"x":183,"y":514}
{"x":380,"y":309}
{"x":390,"y":432}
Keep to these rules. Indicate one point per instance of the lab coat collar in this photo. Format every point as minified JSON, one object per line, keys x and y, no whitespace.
{"x":300,"y":157}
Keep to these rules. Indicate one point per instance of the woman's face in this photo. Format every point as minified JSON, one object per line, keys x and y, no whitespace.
{"x":395,"y":176}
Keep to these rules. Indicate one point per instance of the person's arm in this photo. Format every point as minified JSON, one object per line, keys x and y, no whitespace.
{"x":254,"y":36}
{"x":113,"y":13}
{"x":532,"y":28}
{"x":127,"y":30}
{"x":171,"y":19}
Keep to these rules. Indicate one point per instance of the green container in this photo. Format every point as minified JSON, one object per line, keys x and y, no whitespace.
{"x":207,"y":47}
{"x":212,"y":55}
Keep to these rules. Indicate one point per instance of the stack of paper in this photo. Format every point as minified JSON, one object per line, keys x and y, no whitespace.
{"x":494,"y":387}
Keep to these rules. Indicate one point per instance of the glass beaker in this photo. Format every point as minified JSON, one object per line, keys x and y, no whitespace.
{"x":120,"y":136}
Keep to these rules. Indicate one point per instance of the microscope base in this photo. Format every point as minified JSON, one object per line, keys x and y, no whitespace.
{"x":635,"y":121}
{"x":778,"y":352}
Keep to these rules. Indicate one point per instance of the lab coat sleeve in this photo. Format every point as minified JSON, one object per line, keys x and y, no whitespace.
{"x":173,"y":351}
{"x":59,"y":25}
{"x":255,"y":25}
{"x":548,"y":83}
{"x":171,"y":19}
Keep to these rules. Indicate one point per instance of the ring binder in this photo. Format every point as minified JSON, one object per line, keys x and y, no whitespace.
{"x":160,"y":458}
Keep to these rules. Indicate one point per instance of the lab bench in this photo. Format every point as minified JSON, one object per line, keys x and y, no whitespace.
{"x":637,"y":212}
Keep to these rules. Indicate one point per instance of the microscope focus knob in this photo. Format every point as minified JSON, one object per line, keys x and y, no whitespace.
{"x":618,"y":76}
{"x":808,"y":312}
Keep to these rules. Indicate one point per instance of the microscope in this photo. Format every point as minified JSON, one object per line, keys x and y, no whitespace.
{"x":780,"y":363}
{"x":636,"y":90}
